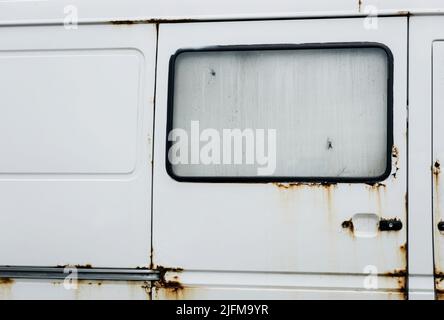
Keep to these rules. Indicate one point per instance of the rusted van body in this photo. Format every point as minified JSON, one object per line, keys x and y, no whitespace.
{"x":93,"y":208}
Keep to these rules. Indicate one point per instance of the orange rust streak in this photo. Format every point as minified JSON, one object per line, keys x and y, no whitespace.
{"x":6,"y":281}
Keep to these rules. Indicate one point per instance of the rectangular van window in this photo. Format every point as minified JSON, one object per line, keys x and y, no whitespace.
{"x":281,"y":113}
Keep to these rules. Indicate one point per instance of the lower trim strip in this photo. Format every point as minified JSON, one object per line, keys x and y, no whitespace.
{"x":80,"y":273}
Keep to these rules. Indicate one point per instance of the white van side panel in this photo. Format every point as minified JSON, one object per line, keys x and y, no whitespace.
{"x":211,"y":229}
{"x":75,"y":136}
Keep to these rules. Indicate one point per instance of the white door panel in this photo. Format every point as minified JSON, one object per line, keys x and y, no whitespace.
{"x":437,"y":47}
{"x":75,"y":138}
{"x":278,"y":227}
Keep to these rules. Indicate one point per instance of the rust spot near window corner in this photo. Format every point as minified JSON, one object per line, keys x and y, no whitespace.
{"x":395,"y":152}
{"x":395,"y":156}
{"x":299,"y":185}
{"x":376,"y":185}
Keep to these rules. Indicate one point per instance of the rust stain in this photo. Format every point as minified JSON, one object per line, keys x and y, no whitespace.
{"x":439,"y":277}
{"x":152,"y":258}
{"x":330,"y":205}
{"x":395,"y":156}
{"x":78,"y":266}
{"x":375,"y":189}
{"x":348,"y":224}
{"x":148,"y":290}
{"x":376,"y":185}
{"x":6,"y":281}
{"x":439,"y":295}
{"x":124,"y":22}
{"x":326,"y":187}
{"x":403,"y":248}
{"x":359,"y":5}
{"x":395,"y":152}
{"x":298,"y":185}
{"x":146,"y":21}
{"x":404,"y":13}
{"x":6,"y":285}
{"x":406,"y":204}
{"x":436,"y":169}
{"x":401,"y":275}
{"x":83,"y":282}
{"x":173,"y":289}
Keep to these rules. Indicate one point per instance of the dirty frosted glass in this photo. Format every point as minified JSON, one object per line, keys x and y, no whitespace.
{"x":328,"y":107}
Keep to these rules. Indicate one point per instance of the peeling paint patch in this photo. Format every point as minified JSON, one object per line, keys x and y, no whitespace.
{"x":395,"y":156}
{"x":297,"y":185}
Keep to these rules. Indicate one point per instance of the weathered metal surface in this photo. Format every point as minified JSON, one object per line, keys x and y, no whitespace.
{"x":423,"y":31}
{"x":438,"y":151}
{"x":287,"y":201}
{"x":197,"y":285}
{"x":18,"y":289}
{"x":291,"y":228}
{"x":75,"y":175}
{"x":14,"y":12}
